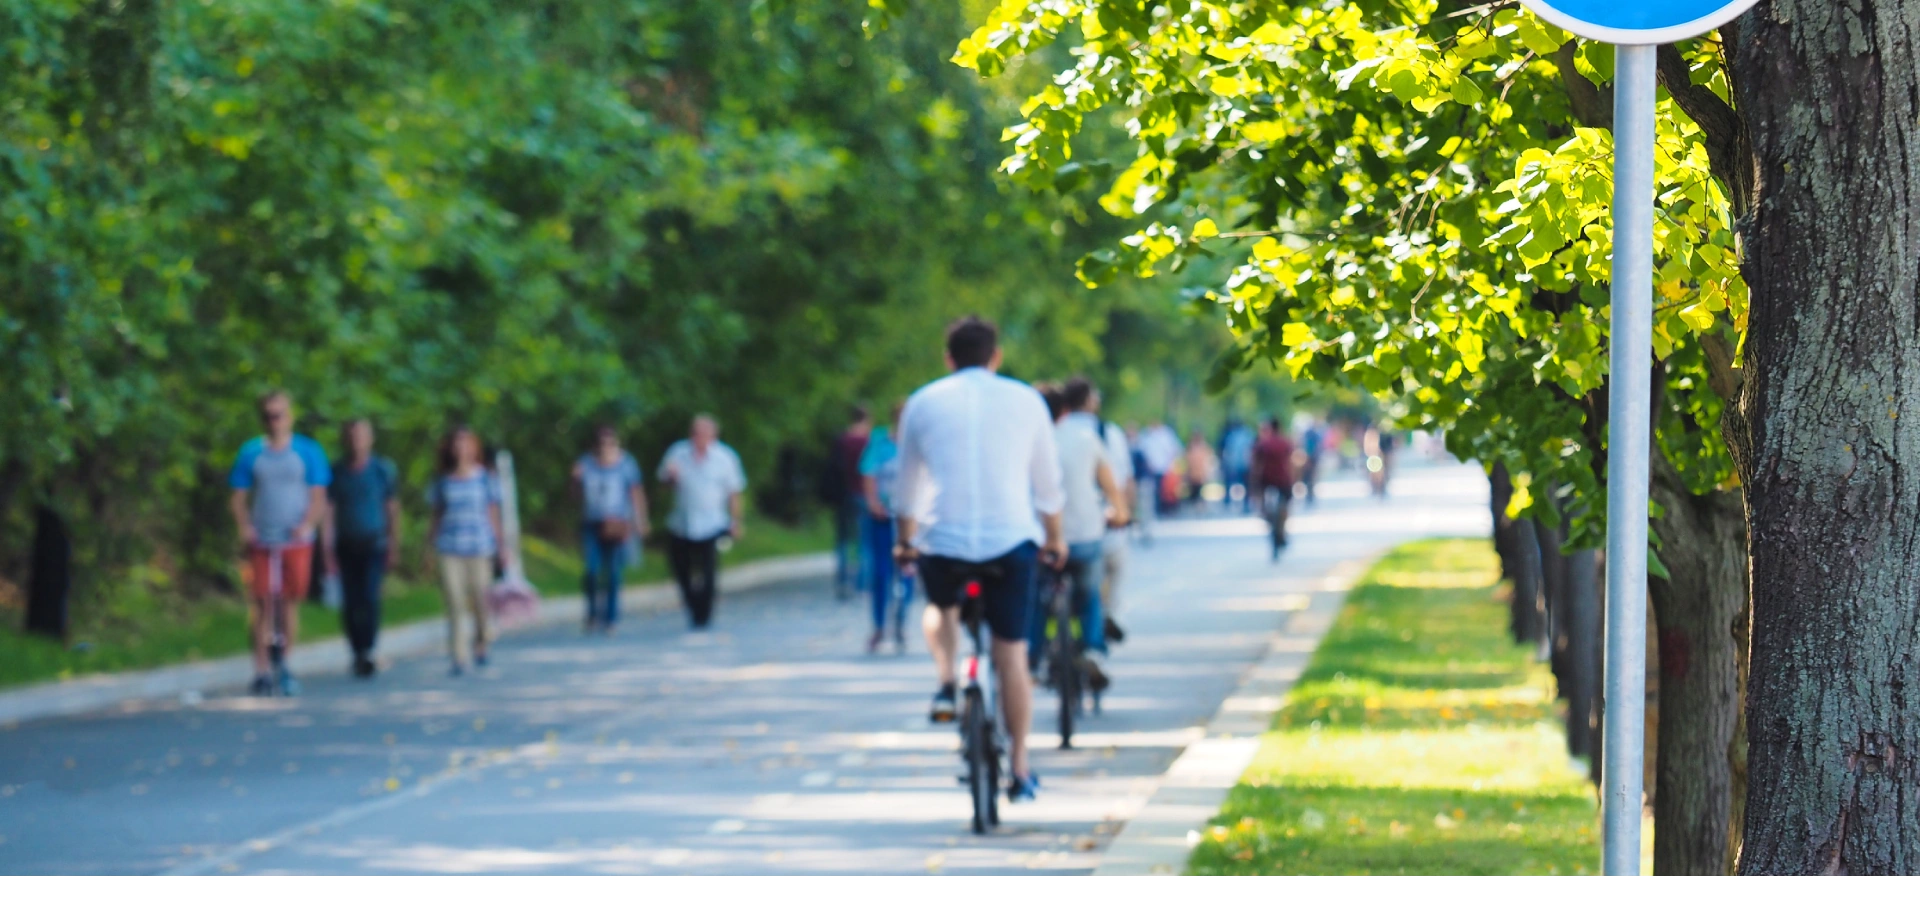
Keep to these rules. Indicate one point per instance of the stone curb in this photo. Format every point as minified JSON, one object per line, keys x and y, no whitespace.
{"x":1158,"y":839}
{"x":97,"y":693}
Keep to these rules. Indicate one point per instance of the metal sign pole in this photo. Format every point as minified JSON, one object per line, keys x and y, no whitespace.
{"x":1629,"y":448}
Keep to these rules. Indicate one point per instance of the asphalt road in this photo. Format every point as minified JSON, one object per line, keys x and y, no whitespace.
{"x":772,"y":745}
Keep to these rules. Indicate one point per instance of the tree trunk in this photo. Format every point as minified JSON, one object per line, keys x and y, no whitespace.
{"x":1553,"y":590}
{"x":1583,"y":653}
{"x":1501,"y":489}
{"x":1831,"y":95}
{"x":1527,"y":619}
{"x":1700,"y":611}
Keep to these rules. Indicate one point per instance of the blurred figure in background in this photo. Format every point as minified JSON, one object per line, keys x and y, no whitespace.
{"x":279,"y":483}
{"x":1313,"y":444}
{"x":279,"y":501}
{"x":1121,"y":458}
{"x":708,"y":484}
{"x":892,"y":591}
{"x":1377,"y":447}
{"x":613,"y":512}
{"x":1236,"y":462}
{"x":1203,"y":467}
{"x":1272,"y":478}
{"x":466,"y":534}
{"x":363,"y":537}
{"x":848,"y":502}
{"x":1160,"y":450}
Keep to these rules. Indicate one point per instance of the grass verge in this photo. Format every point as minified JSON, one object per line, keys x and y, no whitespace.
{"x":1419,"y":741}
{"x":141,"y":628}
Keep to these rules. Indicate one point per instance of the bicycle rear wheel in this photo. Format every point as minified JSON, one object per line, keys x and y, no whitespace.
{"x":982,"y":777}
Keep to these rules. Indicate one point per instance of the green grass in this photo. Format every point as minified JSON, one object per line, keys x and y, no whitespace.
{"x":144,"y":625}
{"x":1420,"y":741}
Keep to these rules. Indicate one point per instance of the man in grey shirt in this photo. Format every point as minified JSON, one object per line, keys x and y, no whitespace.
{"x":279,"y":483}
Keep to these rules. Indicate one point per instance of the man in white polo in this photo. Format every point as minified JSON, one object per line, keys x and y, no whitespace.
{"x":707,"y":483}
{"x":980,"y":471}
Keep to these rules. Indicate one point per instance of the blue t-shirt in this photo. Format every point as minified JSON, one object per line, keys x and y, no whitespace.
{"x":608,"y":490}
{"x":881,"y":462}
{"x":360,"y":499}
{"x":280,"y":483}
{"x":463,"y":504}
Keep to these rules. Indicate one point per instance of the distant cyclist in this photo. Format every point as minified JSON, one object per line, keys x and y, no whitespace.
{"x":1273,"y":468}
{"x":279,"y":483}
{"x":979,"y":463}
{"x":1094,"y":501}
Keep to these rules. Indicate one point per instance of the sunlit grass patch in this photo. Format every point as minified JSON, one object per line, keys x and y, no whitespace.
{"x":1419,"y":741}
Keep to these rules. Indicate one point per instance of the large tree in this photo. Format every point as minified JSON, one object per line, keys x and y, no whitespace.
{"x":1421,"y":194}
{"x":1830,"y":95}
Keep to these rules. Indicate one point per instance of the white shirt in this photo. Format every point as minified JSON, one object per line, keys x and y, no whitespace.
{"x":1084,"y":520}
{"x":702,"y":489}
{"x":1161,"y":447}
{"x":978,"y":465}
{"x":1119,"y":455}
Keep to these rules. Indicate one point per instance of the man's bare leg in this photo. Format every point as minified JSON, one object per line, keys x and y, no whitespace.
{"x":290,"y":620}
{"x":942,"y":628}
{"x":262,"y":628}
{"x":1016,"y":699}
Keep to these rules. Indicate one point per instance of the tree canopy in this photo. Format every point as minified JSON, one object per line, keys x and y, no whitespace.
{"x":532,"y":218}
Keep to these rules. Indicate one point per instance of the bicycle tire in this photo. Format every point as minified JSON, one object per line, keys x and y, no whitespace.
{"x":1066,"y":672}
{"x":977,"y":743}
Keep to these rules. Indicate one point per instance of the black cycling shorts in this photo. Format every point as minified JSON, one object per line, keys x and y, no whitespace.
{"x":1009,"y":597}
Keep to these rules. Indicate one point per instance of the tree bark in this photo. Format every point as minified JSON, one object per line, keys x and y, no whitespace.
{"x":1700,"y":611}
{"x":1528,"y":621}
{"x":1584,"y":650}
{"x":1501,"y":489}
{"x":1830,"y":90}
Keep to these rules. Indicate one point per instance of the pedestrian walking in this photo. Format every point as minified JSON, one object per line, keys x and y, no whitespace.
{"x":279,"y":483}
{"x":1312,"y":445}
{"x":845,"y":497}
{"x":708,"y":483}
{"x":363,"y":537}
{"x":891,"y":586}
{"x":1160,"y":450}
{"x":1236,"y":462}
{"x":465,"y":499}
{"x":1202,"y":467}
{"x":613,"y":520}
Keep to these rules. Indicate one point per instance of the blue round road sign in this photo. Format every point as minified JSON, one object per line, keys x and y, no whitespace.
{"x":1639,"y":21}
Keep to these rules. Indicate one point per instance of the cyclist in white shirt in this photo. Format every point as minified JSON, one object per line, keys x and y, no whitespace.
{"x":980,"y":483}
{"x":1094,"y":502}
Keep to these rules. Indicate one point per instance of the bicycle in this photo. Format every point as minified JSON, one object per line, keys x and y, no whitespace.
{"x":979,"y":716}
{"x":1067,"y":670}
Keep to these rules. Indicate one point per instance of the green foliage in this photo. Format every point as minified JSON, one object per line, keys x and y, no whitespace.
{"x":1411,"y":203}
{"x":1420,"y":741}
{"x":529,"y":217}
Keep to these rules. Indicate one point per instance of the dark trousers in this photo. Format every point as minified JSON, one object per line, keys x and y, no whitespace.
{"x":695,"y":564}
{"x":363,"y":565}
{"x":601,"y":582}
{"x":847,"y":515}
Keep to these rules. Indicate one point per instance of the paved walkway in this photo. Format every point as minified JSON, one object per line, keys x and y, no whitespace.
{"x":771,"y":745}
